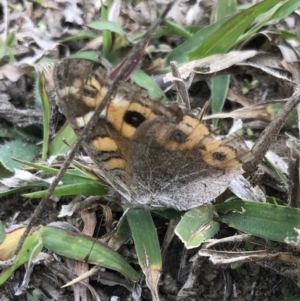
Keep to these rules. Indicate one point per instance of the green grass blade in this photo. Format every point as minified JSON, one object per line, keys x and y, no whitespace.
{"x":107,"y":25}
{"x":74,"y":182}
{"x":219,"y":89}
{"x":90,"y":187}
{"x":225,"y":38}
{"x":106,"y":34}
{"x":145,"y":81}
{"x":84,"y":248}
{"x":272,"y":222}
{"x":23,"y":188}
{"x":121,"y":236}
{"x":147,"y":246}
{"x":177,"y":29}
{"x":273,"y":15}
{"x":71,"y":173}
{"x":2,"y":232}
{"x":179,"y":54}
{"x":57,"y":146}
{"x":79,"y":37}
{"x":285,"y":9}
{"x":42,"y":97}
{"x":90,"y":55}
{"x":196,"y":226}
{"x":220,"y":84}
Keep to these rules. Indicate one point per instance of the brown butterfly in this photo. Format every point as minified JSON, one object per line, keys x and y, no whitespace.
{"x":154,"y":155}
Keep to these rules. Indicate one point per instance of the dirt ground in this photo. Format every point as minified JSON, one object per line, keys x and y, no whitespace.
{"x":261,"y":281}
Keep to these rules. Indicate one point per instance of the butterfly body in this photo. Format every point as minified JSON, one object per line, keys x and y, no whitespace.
{"x":154,"y":155}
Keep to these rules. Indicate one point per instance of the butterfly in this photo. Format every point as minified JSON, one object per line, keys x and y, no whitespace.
{"x":154,"y":154}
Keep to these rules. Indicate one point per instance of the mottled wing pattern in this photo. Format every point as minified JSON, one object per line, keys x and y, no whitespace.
{"x":155,"y":155}
{"x":80,"y":90}
{"x":185,"y":165}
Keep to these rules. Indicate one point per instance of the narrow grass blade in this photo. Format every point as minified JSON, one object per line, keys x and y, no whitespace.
{"x":79,"y":37}
{"x":42,"y":97}
{"x":179,"y":54}
{"x":69,"y":173}
{"x":177,"y":29}
{"x":2,"y":233}
{"x":219,"y":89}
{"x":74,"y":182}
{"x":147,"y":246}
{"x":220,"y":84}
{"x":145,"y":81}
{"x":226,"y":36}
{"x":273,"y":15}
{"x":23,"y":188}
{"x":92,"y":188}
{"x":91,"y":55}
{"x":107,"y":37}
{"x":285,"y":9}
{"x":107,"y":25}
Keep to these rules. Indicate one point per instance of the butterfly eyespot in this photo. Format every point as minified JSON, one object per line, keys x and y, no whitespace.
{"x":134,"y":118}
{"x":178,"y":136}
{"x":89,"y":92}
{"x":220,"y":156}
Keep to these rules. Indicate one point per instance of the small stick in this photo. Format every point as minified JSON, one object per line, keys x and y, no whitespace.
{"x":269,"y":134}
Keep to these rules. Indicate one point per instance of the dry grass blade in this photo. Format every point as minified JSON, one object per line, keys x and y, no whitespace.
{"x":221,"y":257}
{"x":180,"y":86}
